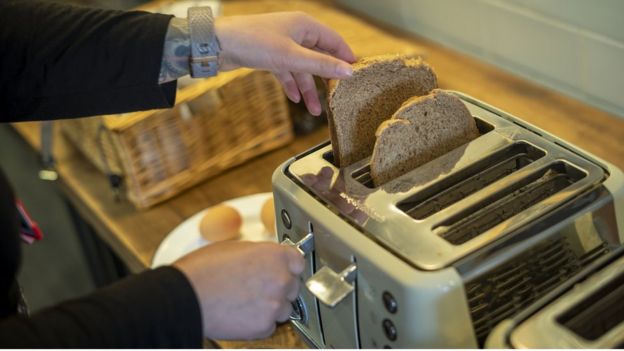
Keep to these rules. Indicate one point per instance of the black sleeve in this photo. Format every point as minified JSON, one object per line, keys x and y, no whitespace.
{"x":155,"y":309}
{"x":63,"y":61}
{"x":10,"y":254}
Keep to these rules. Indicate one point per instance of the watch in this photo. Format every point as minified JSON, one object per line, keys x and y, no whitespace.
{"x":204,"y":60}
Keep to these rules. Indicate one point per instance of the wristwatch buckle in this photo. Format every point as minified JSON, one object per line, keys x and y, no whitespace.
{"x":207,"y":64}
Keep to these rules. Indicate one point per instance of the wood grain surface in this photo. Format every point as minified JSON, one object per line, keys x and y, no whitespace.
{"x":135,"y":235}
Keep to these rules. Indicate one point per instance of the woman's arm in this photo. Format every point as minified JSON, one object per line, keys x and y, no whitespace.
{"x":62,"y":61}
{"x":155,"y":309}
{"x":176,"y":52}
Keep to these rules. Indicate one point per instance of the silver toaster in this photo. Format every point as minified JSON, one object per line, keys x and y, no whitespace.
{"x":585,"y":312}
{"x":438,"y":257}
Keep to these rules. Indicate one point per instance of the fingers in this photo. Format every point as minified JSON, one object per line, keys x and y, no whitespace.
{"x":306,"y":60}
{"x":317,"y":49}
{"x":267,"y":332}
{"x":296,"y":263}
{"x":291,"y":295}
{"x":325,"y":179}
{"x":326,"y":39}
{"x":290,"y":85}
{"x":291,"y":289}
{"x":284,"y":313}
{"x":307,"y":87}
{"x":284,"y":42}
{"x":310,"y":179}
{"x":297,"y":85}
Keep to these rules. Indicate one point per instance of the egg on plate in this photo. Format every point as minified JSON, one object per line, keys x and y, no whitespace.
{"x":221,"y":222}
{"x":267,"y":215}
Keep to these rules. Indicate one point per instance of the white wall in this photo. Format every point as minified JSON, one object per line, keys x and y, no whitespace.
{"x":573,"y":46}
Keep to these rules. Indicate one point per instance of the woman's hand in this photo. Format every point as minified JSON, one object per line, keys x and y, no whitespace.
{"x":243,"y":288}
{"x":292,"y":45}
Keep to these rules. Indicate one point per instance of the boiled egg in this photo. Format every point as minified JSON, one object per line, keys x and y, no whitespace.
{"x":220,"y":222}
{"x":267,"y":215}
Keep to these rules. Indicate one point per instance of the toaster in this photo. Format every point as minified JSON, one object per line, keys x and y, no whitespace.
{"x":439,"y":256}
{"x":585,"y":312}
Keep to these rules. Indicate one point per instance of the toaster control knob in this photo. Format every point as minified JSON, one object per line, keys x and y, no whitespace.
{"x":299,"y":312}
{"x":389,"y":329}
{"x":389,"y":302}
{"x":286,"y":219}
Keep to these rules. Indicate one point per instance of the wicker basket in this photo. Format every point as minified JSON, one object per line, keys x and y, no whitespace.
{"x":217,"y":123}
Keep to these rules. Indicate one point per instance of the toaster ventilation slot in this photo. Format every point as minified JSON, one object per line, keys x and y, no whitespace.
{"x":363,"y":176}
{"x":598,"y":313}
{"x":468,"y":181}
{"x":505,"y":204}
{"x":511,"y":287}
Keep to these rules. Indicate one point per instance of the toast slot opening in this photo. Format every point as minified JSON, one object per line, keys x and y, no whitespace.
{"x":468,"y":181}
{"x":598,"y":313}
{"x":329,"y":157}
{"x":508,"y":202}
{"x":483,"y":126}
{"x":363,"y":176}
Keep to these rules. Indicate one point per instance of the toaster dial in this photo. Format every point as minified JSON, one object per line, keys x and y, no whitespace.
{"x":300,"y":312}
{"x":389,"y":302}
{"x":286,"y":219}
{"x":389,"y":329}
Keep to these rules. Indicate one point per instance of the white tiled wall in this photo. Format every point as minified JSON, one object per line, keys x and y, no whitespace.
{"x":574,"y":46}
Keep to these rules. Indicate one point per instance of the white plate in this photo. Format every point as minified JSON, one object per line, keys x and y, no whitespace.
{"x":186,"y":238}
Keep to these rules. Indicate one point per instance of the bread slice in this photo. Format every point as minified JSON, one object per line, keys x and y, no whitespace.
{"x":424,"y":128}
{"x":378,"y":87}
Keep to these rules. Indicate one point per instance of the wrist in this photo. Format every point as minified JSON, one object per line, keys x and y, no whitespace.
{"x":176,"y":51}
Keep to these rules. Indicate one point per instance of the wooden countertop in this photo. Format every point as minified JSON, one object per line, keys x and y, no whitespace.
{"x":135,"y":235}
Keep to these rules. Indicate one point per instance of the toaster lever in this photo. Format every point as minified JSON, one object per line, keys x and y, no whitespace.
{"x":331,"y":287}
{"x":305,"y":245}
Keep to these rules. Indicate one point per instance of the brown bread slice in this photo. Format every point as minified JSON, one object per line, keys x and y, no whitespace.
{"x":424,"y":128}
{"x":358,"y":105}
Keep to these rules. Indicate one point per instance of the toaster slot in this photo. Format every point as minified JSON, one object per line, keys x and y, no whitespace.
{"x":363,"y":176}
{"x":493,"y":210}
{"x":329,"y":157}
{"x":483,"y":126}
{"x":598,"y":313}
{"x":468,"y":181}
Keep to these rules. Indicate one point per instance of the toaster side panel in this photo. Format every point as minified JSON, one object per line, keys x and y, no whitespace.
{"x":430,"y":312}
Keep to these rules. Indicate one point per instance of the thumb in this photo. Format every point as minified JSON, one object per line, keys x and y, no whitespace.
{"x":305,"y":60}
{"x":296,"y":263}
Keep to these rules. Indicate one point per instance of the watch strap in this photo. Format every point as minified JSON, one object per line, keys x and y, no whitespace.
{"x":205,"y":48}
